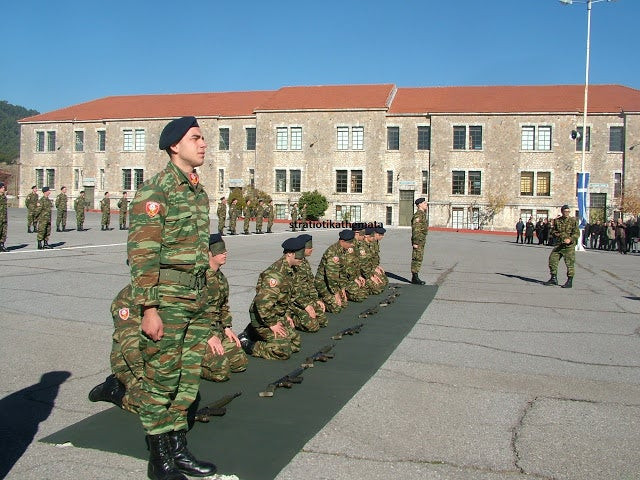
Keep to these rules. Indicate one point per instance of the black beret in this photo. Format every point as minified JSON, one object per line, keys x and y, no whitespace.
{"x":307,"y":239}
{"x":356,"y":227}
{"x":295,"y":245}
{"x":380,"y":230}
{"x":368,"y":230}
{"x":346,"y":235}
{"x":173,"y":132}
{"x":2,"y":184}
{"x":45,"y":189}
{"x":419,"y":200}
{"x":565,"y":207}
{"x":216,"y":244}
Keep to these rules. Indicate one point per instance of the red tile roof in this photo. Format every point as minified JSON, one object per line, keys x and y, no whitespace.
{"x":422,"y":100}
{"x":515,"y":99}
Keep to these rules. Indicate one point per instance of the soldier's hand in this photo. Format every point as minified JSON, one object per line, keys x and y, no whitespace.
{"x":231,"y":335}
{"x":278,"y":330}
{"x":415,"y":246}
{"x":322,"y":305}
{"x":311,"y":311}
{"x":291,"y":322}
{"x":338,"y":298}
{"x":216,"y":345}
{"x":152,"y":324}
{"x":567,"y":241}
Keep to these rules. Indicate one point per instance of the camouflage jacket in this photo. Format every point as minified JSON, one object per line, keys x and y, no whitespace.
{"x":80,"y":204}
{"x":61,"y":202}
{"x":218,"y":300}
{"x":330,"y":275}
{"x":273,"y":294}
{"x":123,"y":205}
{"x":43,"y":209}
{"x":369,"y":261}
{"x":105,"y":205}
{"x":566,"y":228}
{"x":3,"y":208}
{"x":294,"y":213}
{"x":247,"y":212}
{"x":233,"y":212}
{"x":169,"y":229}
{"x":419,"y":228}
{"x":222,"y":211}
{"x":352,"y":268}
{"x":305,"y":292}
{"x":268,"y":211}
{"x":31,"y":201}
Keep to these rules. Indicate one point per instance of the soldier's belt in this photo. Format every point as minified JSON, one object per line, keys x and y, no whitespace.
{"x":183,"y":278}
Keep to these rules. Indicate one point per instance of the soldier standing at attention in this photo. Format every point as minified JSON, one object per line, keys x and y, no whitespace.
{"x":270,"y":215}
{"x":259,"y":216}
{"x":123,"y":206}
{"x":419,"y":232}
{"x":61,"y":210}
{"x":80,"y":205}
{"x":105,"y":208}
{"x":303,"y":217}
{"x":233,"y":216}
{"x":566,"y":233}
{"x":43,"y":219}
{"x":31,"y":202}
{"x":294,"y":217}
{"x":247,"y":216}
{"x":3,"y":216}
{"x":222,"y":215}
{"x":168,"y":251}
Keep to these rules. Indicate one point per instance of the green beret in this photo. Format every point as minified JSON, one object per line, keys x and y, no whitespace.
{"x":173,"y":132}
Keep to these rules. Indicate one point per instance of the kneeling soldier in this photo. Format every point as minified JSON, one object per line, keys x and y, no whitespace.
{"x":308,"y":311}
{"x":331,"y":280}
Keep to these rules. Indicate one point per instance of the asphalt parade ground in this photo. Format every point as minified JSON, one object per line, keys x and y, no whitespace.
{"x":501,"y":377}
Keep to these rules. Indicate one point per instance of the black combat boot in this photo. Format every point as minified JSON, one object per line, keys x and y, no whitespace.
{"x":568,"y":283}
{"x":57,"y":229}
{"x":28,"y":229}
{"x":39,"y":244}
{"x":416,"y":280}
{"x":552,"y":281}
{"x":246,"y":343}
{"x":111,"y":390}
{"x":3,"y":248}
{"x":161,"y":464}
{"x":184,"y":460}
{"x":46,"y":245}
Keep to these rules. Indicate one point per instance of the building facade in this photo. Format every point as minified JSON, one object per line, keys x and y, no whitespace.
{"x":482,"y":156}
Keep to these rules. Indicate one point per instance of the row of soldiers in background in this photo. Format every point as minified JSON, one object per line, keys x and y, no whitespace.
{"x":257,"y":213}
{"x":612,"y":235}
{"x":105,"y":209}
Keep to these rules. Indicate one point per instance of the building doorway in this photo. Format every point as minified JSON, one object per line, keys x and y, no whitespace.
{"x":405,"y":210}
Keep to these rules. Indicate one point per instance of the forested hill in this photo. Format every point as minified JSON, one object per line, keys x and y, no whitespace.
{"x":10,"y":130}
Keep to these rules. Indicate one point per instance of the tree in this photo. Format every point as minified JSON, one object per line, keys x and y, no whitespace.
{"x":10,"y":130}
{"x":495,"y":204}
{"x":316,"y":204}
{"x":631,"y":204}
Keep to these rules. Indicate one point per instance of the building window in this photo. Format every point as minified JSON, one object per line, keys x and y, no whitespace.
{"x":140,"y":139}
{"x":527,"y":138}
{"x":79,"y":141}
{"x":475,"y":138}
{"x":281,"y":180}
{"x":223,"y":139}
{"x":296,"y":138}
{"x":341,"y":181}
{"x":39,"y":177}
{"x":133,"y":140}
{"x":544,"y":138}
{"x":102,"y":140}
{"x":458,"y":181}
{"x":221,"y":179}
{"x":282,"y":138}
{"x":51,"y":141}
{"x":587,"y":142}
{"x":616,"y":139}
{"x":132,"y":178}
{"x":76,"y":179}
{"x":617,"y":185}
{"x":389,"y":181}
{"x":526,"y":183}
{"x":538,"y":183}
{"x":393,"y":138}
{"x":45,"y":177}
{"x":281,"y":211}
{"x":350,"y":213}
{"x":459,"y":138}
{"x":343,"y":138}
{"x":51,"y":178}
{"x":425,"y":182}
{"x":251,"y":138}
{"x":475,"y":183}
{"x":295,"y":178}
{"x":39,"y":141}
{"x":543,"y":184}
{"x":536,"y":137}
{"x":356,"y":181}
{"x":357,"y":138}
{"x":424,"y":138}
{"x":389,"y":216}
{"x":127,"y":144}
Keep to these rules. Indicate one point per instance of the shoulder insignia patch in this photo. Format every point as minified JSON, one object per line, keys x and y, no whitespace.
{"x":152,"y":209}
{"x":336,"y":259}
{"x":362,"y":252}
{"x":123,"y":313}
{"x":350,"y":250}
{"x":273,"y":282}
{"x":193,"y":178}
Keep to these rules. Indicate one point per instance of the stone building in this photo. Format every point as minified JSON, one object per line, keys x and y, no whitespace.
{"x":483,"y":156}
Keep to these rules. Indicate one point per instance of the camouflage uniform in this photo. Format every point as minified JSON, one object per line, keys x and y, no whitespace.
{"x":168,"y":254}
{"x":123,"y":206}
{"x":105,"y":208}
{"x":247,"y":217}
{"x":272,"y":304}
{"x":222,"y":216}
{"x":368,"y":263}
{"x":43,"y":218}
{"x":269,"y":211}
{"x":294,"y":218}
{"x":305,"y":294}
{"x":331,"y":278}
{"x":419,"y":232}
{"x":233,"y":218}
{"x":3,"y":219}
{"x":61,"y":212}
{"x":564,"y":228}
{"x":80,"y":205}
{"x":31,"y":202}
{"x":259,"y":217}
{"x":353,"y":270}
{"x":375,"y":247}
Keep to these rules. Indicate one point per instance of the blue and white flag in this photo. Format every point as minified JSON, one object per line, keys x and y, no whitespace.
{"x":583,"y":187}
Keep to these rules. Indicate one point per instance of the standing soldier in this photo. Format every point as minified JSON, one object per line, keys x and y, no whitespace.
{"x":61,"y":210}
{"x":294,"y":216}
{"x":222,"y":215}
{"x":233,"y":216}
{"x":247,"y":216}
{"x":566,"y":233}
{"x":259,"y":216}
{"x":80,"y":205}
{"x":3,"y":216}
{"x":123,"y":205}
{"x":105,"y":208}
{"x":31,"y":202}
{"x":43,"y":219}
{"x":303,"y":216}
{"x":269,"y":211}
{"x":419,"y":232}
{"x":168,"y":251}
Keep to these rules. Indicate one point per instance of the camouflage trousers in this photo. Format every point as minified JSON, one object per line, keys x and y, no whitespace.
{"x":416,"y":258}
{"x":79,"y":219}
{"x":44,"y":229}
{"x":376,"y":288}
{"x":218,"y":368}
{"x":246,"y":224}
{"x":259,"y":224}
{"x":106,"y":219}
{"x":172,"y":365}
{"x":305,"y":323}
{"x":272,"y":348}
{"x":568,"y":252}
{"x":61,"y":219}
{"x":32,"y":219}
{"x":269,"y":224}
{"x":3,"y":231}
{"x":329,"y":299}
{"x":233,"y":224}
{"x":356,"y":293}
{"x":221,"y":225}
{"x":122,"y":219}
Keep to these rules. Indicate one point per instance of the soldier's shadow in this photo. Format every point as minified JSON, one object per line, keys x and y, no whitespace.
{"x":397,"y":277}
{"x":57,"y":244}
{"x":524,"y":279}
{"x":20,"y":414}
{"x":17,"y":247}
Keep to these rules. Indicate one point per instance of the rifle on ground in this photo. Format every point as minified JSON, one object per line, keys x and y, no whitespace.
{"x":321,"y":355}
{"x":368,"y":312}
{"x":215,"y":409}
{"x":284,"y":382}
{"x":348,"y":331}
{"x":391,"y":298}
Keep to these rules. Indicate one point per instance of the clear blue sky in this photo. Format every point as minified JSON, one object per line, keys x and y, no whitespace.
{"x":59,"y":53}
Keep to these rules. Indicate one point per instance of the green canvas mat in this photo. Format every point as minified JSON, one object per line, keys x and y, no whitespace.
{"x":259,"y":436}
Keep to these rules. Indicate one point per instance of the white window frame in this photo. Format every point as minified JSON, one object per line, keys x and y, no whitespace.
{"x":78,"y":140}
{"x":536,"y":138}
{"x":133,"y":139}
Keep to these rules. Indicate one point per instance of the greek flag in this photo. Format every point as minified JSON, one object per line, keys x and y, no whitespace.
{"x":583,"y":187}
